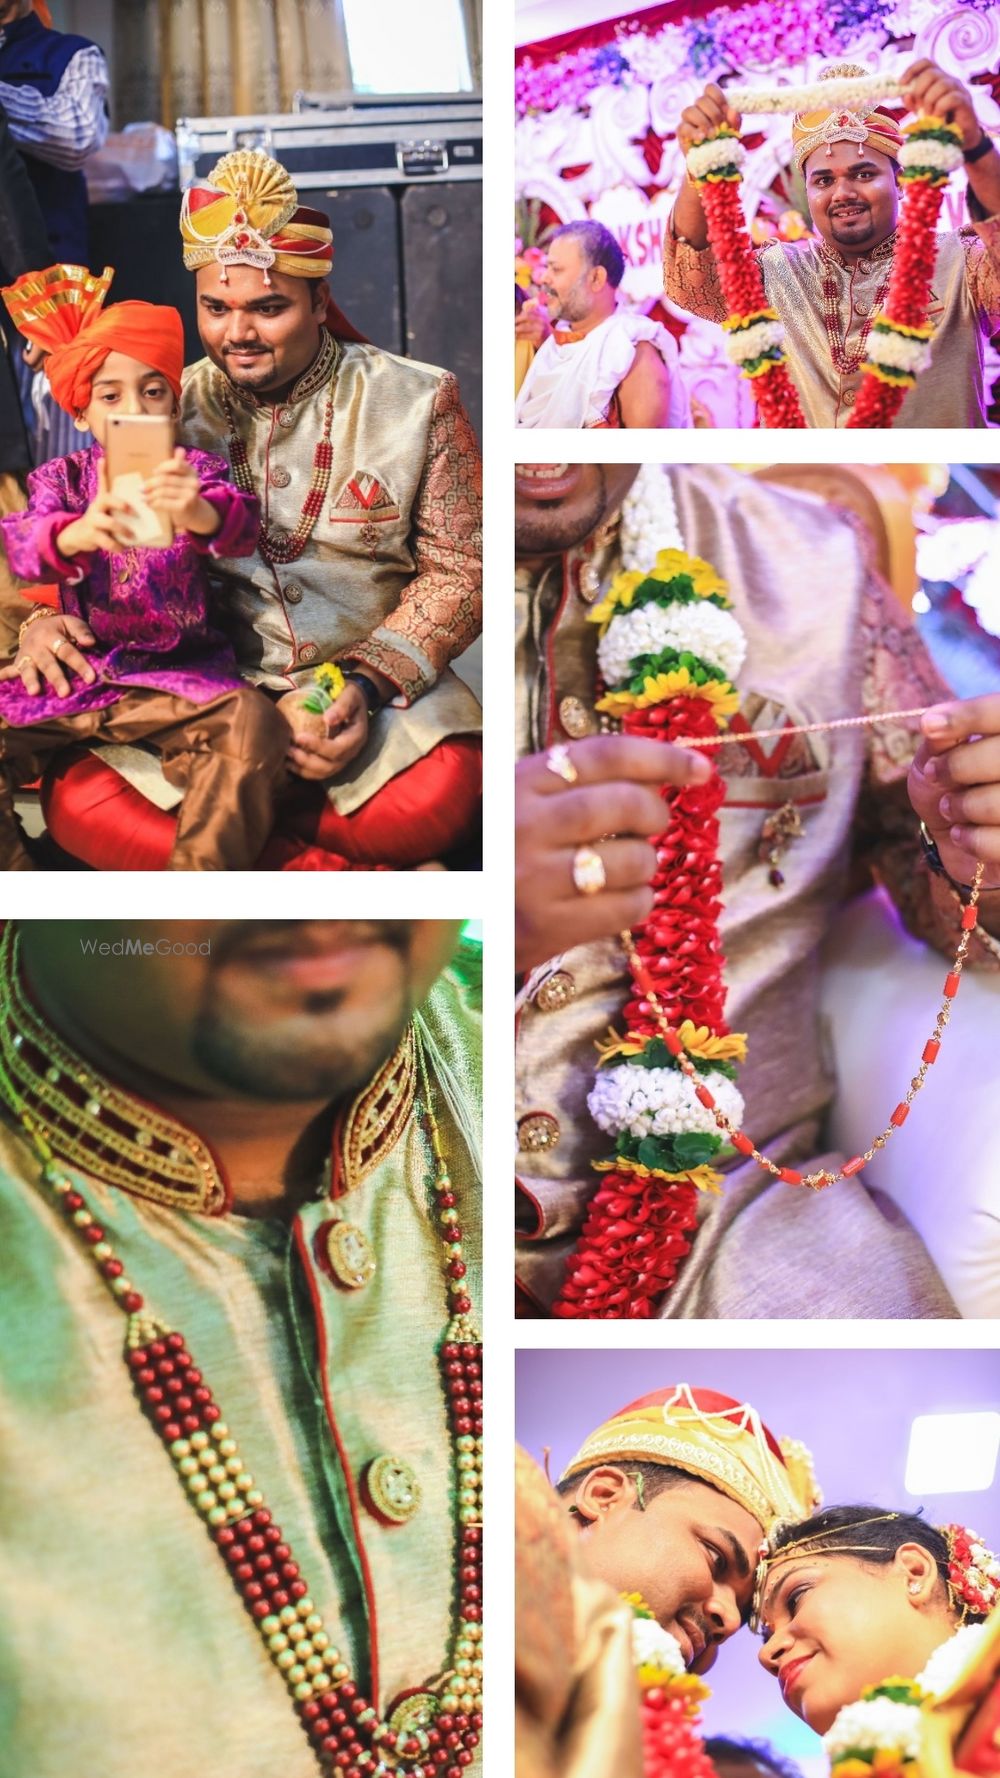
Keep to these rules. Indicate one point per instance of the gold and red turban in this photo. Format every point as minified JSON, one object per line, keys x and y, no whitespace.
{"x":62,"y":311}
{"x":868,"y":123}
{"x":247,"y":212}
{"x":716,"y":1440}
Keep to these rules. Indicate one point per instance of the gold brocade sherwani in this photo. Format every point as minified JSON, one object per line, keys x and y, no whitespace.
{"x":576,"y":1698}
{"x":825,"y":639}
{"x":123,"y":1645}
{"x":964,"y":311}
{"x":392,"y":572}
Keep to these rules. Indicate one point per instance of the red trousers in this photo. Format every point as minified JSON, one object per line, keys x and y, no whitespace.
{"x":96,"y":816}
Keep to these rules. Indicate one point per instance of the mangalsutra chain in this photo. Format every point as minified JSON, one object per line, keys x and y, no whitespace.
{"x":743,"y":1145}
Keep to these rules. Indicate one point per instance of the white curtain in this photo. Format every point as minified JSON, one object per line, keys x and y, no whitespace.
{"x":214,"y":58}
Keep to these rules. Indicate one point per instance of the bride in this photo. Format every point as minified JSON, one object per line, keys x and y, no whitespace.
{"x":852,"y":1596}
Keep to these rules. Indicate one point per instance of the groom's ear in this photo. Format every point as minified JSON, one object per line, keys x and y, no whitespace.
{"x":918,"y":1571}
{"x":601,"y":1490}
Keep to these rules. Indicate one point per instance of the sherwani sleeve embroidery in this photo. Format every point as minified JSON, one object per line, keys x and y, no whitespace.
{"x":982,"y":267}
{"x":440,"y":610}
{"x":691,"y":278}
{"x":72,"y":123}
{"x":900,"y":675}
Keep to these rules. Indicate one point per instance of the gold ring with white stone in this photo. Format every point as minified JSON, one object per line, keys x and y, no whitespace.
{"x":23,"y":660}
{"x":558,"y":760}
{"x":589,"y":874}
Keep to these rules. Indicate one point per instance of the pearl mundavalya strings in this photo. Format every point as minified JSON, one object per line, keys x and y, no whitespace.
{"x":433,"y":1731}
{"x":898,"y":342}
{"x":666,"y":1089}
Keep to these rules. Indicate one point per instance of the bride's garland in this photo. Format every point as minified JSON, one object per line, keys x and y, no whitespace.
{"x":899,"y":340}
{"x":884,"y":1732}
{"x":668,"y":653}
{"x":669,"y":1700}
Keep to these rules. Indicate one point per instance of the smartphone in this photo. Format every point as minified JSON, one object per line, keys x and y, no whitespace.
{"x":136,"y":445}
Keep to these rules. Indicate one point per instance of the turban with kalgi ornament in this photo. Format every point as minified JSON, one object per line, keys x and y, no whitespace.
{"x":715,"y":1440}
{"x":868,"y":124}
{"x":62,"y":311}
{"x":247,"y":212}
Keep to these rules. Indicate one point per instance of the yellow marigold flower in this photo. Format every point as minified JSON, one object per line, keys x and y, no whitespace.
{"x":618,"y":597}
{"x":613,"y":1045}
{"x":685,"y":1686}
{"x":704,"y":1177}
{"x":699,"y":1041}
{"x":638,"y":1604}
{"x":851,"y":1768}
{"x":330,"y":678}
{"x":678,"y":682}
{"x":672,"y":562}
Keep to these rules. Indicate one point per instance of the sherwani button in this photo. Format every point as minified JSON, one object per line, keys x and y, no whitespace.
{"x":279,"y":478}
{"x":538,"y":1131}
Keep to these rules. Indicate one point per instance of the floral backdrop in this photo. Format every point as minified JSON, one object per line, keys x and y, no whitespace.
{"x":596,"y":119}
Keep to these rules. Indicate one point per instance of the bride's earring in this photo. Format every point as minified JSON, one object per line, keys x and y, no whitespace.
{"x":914,"y":1586}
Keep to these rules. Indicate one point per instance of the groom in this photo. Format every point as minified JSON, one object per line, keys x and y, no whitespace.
{"x":671,"y":1496}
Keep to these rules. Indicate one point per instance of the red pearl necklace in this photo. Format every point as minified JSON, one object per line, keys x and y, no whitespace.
{"x":652,"y":1008}
{"x":847,"y":362}
{"x":280,"y":546}
{"x":432,"y":1732}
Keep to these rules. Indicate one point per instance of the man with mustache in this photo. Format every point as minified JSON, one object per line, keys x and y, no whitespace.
{"x":598,"y":365}
{"x":368,"y":474}
{"x":223,"y":1135}
{"x":807,"y":662}
{"x":670,"y":1498}
{"x":827,"y":291}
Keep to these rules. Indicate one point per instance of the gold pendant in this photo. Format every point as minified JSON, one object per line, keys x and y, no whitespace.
{"x":417,"y":1710}
{"x":350,"y":1257}
{"x":392,"y":1491}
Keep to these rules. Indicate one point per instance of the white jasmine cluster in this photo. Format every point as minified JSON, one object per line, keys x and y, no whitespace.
{"x":897,"y":352}
{"x":925,"y":151}
{"x":659,"y":1101}
{"x":819,"y":95}
{"x":711,"y":156}
{"x":748,"y":343}
{"x":875,"y":1723}
{"x":655,"y":1647}
{"x":649,"y":519}
{"x":948,"y":1662}
{"x":702,"y":629}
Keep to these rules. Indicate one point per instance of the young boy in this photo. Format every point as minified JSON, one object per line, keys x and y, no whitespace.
{"x":157,"y":672}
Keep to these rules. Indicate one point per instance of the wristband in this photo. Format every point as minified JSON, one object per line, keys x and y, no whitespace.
{"x":368,"y":689}
{"x":983,"y":146}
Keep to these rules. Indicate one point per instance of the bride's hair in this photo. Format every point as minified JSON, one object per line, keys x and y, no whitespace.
{"x":880,"y":1533}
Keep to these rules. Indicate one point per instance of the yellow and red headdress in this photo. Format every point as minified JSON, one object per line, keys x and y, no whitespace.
{"x":62,"y":310}
{"x":716,"y":1440}
{"x":247,"y":212}
{"x":866,"y":124}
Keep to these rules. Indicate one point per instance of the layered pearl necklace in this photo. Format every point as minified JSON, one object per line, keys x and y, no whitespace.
{"x":431,"y":1732}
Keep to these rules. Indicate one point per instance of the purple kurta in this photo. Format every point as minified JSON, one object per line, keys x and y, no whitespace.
{"x":148,"y":608}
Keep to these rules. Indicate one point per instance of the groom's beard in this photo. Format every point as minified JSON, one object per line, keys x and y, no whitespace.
{"x":706,"y":1630}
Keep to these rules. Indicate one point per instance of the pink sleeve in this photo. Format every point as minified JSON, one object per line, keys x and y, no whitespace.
{"x":239,"y":514}
{"x":30,"y":536}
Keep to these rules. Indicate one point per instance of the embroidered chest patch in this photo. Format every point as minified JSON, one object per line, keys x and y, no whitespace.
{"x":365,"y":502}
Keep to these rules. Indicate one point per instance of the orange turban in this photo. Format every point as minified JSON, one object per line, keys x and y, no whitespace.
{"x":43,"y":12}
{"x":62,"y":311}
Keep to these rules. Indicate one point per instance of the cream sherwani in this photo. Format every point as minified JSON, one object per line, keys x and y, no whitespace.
{"x":124,"y":1647}
{"x":964,"y":310}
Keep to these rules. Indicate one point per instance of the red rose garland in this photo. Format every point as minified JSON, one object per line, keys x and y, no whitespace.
{"x":899,"y":341}
{"x":641,"y":1219}
{"x":669,"y":1701}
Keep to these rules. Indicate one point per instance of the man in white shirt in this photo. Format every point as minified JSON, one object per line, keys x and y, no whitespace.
{"x":601,"y":365}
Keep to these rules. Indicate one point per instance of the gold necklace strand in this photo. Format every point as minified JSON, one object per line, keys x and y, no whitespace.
{"x":284,"y":547}
{"x":93,"y":1122}
{"x":818,"y":1180}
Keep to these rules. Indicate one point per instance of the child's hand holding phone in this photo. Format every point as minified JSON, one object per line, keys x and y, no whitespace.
{"x":174,"y":490}
{"x":103,"y":526}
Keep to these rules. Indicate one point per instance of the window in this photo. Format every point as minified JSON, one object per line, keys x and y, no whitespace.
{"x":396,"y":47}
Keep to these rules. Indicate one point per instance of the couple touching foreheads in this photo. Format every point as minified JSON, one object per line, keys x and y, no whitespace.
{"x":690,"y":1510}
